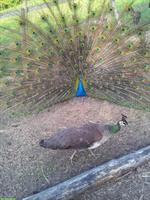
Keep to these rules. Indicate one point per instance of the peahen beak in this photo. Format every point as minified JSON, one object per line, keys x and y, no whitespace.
{"x":125,"y":122}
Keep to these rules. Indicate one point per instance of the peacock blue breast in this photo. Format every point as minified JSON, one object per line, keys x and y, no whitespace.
{"x":80,"y":91}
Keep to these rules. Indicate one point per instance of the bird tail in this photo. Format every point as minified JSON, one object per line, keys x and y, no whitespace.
{"x":76,"y":40}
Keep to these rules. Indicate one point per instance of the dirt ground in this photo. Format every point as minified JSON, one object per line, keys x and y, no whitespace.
{"x":26,"y":168}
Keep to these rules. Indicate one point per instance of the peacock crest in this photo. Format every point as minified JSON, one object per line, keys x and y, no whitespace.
{"x":77,"y":48}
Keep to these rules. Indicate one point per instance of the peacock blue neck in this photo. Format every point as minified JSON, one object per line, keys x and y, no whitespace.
{"x":115,"y":128}
{"x":80,"y":91}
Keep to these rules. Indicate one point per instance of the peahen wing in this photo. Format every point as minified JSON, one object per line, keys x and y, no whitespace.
{"x":76,"y":40}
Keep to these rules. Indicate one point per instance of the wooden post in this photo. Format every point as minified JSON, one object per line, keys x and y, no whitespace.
{"x":95,"y":177}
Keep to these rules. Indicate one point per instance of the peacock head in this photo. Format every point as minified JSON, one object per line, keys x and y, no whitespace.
{"x":123,"y":121}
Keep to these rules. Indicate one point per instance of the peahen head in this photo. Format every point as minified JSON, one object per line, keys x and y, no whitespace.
{"x":123,"y":121}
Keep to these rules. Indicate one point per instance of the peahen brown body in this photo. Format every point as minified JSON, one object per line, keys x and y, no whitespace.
{"x":78,"y":48}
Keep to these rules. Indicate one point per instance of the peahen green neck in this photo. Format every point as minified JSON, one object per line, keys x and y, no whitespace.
{"x":115,"y":128}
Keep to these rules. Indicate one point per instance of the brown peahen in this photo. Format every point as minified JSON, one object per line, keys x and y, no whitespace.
{"x":77,"y":48}
{"x":88,"y":136}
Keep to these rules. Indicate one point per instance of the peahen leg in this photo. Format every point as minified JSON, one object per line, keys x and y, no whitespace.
{"x":72,"y":156}
{"x":75,"y":152}
{"x":91,"y":152}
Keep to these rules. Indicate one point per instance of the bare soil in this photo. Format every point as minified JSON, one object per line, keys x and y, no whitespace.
{"x":26,"y":168}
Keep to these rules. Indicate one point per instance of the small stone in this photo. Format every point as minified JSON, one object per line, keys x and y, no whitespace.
{"x":15,"y":125}
{"x":2,"y":131}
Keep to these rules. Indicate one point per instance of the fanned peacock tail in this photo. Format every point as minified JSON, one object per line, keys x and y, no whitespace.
{"x":78,"y":48}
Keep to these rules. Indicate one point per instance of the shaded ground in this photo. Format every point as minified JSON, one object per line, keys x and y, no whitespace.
{"x":26,"y":168}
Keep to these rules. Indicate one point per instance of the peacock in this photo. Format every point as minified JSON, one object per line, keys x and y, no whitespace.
{"x":91,"y":48}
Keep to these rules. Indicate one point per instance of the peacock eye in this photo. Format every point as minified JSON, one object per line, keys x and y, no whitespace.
{"x":17,"y":43}
{"x":146,"y":66}
{"x":63,"y":18}
{"x":55,"y":1}
{"x":97,"y":49}
{"x":66,"y":30}
{"x":140,"y":33}
{"x":80,"y":57}
{"x":93,"y":13}
{"x":93,"y":28}
{"x":103,"y":37}
{"x":82,"y":44}
{"x":74,"y":6}
{"x":116,"y":40}
{"x":101,"y":60}
{"x":22,"y":23}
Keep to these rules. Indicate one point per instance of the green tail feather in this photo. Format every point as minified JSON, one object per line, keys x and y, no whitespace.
{"x":67,"y":41}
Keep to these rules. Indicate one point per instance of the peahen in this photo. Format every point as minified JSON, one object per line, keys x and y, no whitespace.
{"x":88,"y":136}
{"x":77,"y":48}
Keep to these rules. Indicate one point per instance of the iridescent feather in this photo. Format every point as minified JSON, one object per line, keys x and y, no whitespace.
{"x":77,"y":42}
